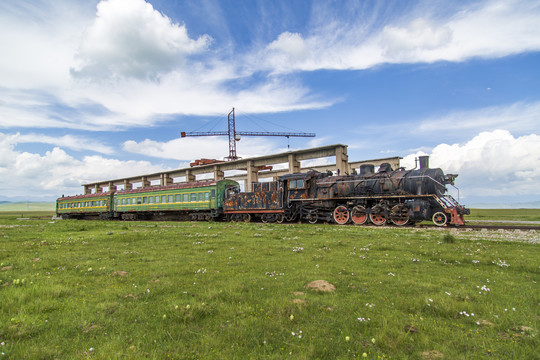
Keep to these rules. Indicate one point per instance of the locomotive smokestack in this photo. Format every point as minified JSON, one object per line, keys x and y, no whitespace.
{"x":424,"y":162}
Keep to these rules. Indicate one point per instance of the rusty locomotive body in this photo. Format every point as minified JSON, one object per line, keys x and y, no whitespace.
{"x":392,"y":196}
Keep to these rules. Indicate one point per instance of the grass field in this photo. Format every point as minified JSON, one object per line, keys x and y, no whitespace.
{"x":505,"y":214}
{"x":23,"y":206}
{"x":100,"y":290}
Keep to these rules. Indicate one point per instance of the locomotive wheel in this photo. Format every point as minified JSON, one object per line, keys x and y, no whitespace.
{"x":312,"y":218}
{"x":439,"y":218}
{"x":280,"y":218}
{"x":246,"y":218}
{"x":341,"y":215}
{"x":265,"y":219}
{"x":399,"y":215}
{"x":358,"y":215}
{"x":377,"y":216}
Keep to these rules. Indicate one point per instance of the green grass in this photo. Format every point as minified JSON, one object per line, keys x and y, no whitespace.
{"x":504,"y":214}
{"x":101,"y":290}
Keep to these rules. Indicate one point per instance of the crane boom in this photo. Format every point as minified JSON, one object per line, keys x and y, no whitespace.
{"x":233,"y":135}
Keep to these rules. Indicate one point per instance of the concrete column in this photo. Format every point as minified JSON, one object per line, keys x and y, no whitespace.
{"x":342,"y":160}
{"x":294,"y":165}
{"x":189,"y":176}
{"x":218,"y":174}
{"x":165,"y":180}
{"x":112,"y":187}
{"x":144,"y":182}
{"x":87,"y":190}
{"x":127,"y":185}
{"x":98,"y":189}
{"x":252,"y":176}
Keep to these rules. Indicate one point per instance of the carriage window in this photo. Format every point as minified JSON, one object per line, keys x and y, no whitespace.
{"x":185,"y":198}
{"x":171,"y":198}
{"x":201,"y":196}
{"x":144,"y":200}
{"x":206,"y":196}
{"x":150,"y":199}
{"x":157,"y":199}
{"x":193,"y":197}
{"x":163,"y":199}
{"x":177,"y":198}
{"x":213,"y":194}
{"x":139,"y":201}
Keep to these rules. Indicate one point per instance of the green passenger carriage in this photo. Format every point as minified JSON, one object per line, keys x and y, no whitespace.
{"x":202,"y":200}
{"x":85,"y":206}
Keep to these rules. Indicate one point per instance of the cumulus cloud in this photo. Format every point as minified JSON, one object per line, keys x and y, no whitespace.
{"x":130,"y":38}
{"x":489,"y":29}
{"x":47,"y":176}
{"x":493,"y":163}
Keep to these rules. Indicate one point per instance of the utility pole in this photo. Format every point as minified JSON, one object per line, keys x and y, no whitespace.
{"x":235,"y":136}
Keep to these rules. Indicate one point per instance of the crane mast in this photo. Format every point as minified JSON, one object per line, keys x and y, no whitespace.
{"x":234,"y":135}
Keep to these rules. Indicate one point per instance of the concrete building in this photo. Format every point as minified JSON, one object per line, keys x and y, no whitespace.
{"x":249,"y":170}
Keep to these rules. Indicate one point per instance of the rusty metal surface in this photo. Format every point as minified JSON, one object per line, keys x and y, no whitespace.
{"x":267,"y":196}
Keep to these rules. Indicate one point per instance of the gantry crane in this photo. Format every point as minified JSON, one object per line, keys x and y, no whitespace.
{"x":234,"y":135}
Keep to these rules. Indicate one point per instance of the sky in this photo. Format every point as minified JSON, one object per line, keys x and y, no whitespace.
{"x":97,"y":90}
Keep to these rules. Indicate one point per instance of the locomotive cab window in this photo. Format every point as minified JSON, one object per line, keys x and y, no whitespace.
{"x":297,"y":184}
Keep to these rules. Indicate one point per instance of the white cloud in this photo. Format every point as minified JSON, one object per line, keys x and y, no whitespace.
{"x":489,"y":29}
{"x":49,"y":175}
{"x":491,"y":164}
{"x":192,"y":148}
{"x":129,"y":38}
{"x":518,"y":117}
{"x":67,"y":141}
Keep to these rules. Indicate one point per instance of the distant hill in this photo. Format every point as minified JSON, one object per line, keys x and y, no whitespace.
{"x":27,"y":206}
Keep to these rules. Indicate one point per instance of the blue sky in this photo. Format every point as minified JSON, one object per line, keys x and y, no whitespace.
{"x":94,"y":90}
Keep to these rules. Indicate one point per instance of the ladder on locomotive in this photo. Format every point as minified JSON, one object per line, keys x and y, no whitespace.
{"x":446,"y":201}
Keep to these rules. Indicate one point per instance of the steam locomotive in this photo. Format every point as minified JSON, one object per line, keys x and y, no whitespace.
{"x":392,"y":196}
{"x":397,"y":197}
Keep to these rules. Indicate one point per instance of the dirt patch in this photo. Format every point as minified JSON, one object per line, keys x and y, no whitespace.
{"x":299,"y":301}
{"x":321,"y":285}
{"x":486,"y":323}
{"x":119,"y":273}
{"x":6,"y":268}
{"x":432,"y":355}
{"x":91,"y":328}
{"x":298,"y":293}
{"x":411,"y":329}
